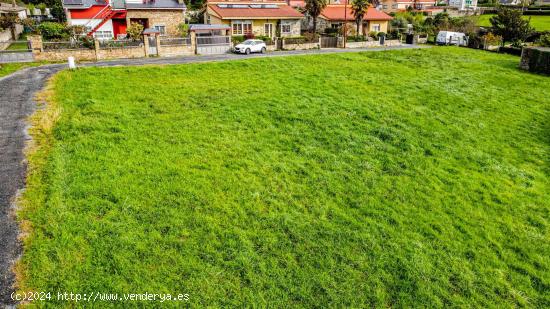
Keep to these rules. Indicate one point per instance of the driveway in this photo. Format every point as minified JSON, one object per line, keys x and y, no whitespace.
{"x":17,"y":103}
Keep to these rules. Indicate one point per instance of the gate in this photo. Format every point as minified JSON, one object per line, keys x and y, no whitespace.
{"x":152,"y":45}
{"x":15,"y":51}
{"x":213,"y":45}
{"x":329,"y":42}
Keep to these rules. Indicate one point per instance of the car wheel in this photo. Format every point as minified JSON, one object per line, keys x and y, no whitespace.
{"x":247,"y":51}
{"x":263,"y":50}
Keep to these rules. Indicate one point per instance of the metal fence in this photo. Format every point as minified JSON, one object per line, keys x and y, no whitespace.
{"x":213,"y":40}
{"x":15,"y":46}
{"x":168,"y":41}
{"x":301,"y":40}
{"x":68,"y":45}
{"x":106,"y":44}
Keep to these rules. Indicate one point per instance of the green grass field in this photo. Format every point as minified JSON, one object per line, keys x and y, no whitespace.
{"x":540,"y":23}
{"x":390,"y":179}
{"x":8,"y":68}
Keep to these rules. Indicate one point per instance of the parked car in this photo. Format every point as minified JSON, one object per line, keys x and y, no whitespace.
{"x":250,"y":46}
{"x":451,"y":38}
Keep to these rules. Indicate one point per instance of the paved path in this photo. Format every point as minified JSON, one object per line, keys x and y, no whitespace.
{"x":17,"y":93}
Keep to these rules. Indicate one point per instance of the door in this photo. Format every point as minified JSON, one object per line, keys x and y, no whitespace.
{"x":152,"y":45}
{"x":268,"y":30}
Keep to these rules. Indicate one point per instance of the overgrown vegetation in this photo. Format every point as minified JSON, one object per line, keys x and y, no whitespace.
{"x":340,"y":180}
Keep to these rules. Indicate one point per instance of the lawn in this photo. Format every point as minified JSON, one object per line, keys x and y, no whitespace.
{"x":8,"y":68}
{"x":392,"y":179}
{"x":540,"y":23}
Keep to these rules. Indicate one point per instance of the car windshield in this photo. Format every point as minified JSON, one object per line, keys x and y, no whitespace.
{"x":248,"y":42}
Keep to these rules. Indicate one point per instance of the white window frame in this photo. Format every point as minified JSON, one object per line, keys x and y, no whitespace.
{"x":240,"y":26}
{"x":286,"y":24}
{"x":376,"y":27}
{"x":158,"y":26}
{"x":270,"y":33}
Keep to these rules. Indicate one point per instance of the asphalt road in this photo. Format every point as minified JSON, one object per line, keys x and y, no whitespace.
{"x":17,"y":92}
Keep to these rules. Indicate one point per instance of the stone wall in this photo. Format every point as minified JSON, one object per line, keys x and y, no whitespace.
{"x":176,"y":50}
{"x":535,"y":59}
{"x":168,"y":18}
{"x":120,"y":53}
{"x":363,"y":44}
{"x":300,"y":46}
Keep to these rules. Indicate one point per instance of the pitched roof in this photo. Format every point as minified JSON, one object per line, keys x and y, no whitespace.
{"x":336,"y":12}
{"x":228,"y":11}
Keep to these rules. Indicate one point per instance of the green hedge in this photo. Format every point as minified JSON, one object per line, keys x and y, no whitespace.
{"x":536,"y":59}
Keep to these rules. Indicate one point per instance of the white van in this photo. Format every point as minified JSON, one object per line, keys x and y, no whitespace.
{"x":451,"y":38}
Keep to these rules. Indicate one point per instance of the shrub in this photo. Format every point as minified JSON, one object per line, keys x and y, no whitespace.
{"x":311,"y":37}
{"x":237,"y":39}
{"x":265,"y":38}
{"x":134,"y":31}
{"x":544,"y":40}
{"x":492,"y":39}
{"x":249,"y":36}
{"x":536,"y":60}
{"x":358,"y":38}
{"x":380,"y":34}
{"x":53,"y":31}
{"x":183,"y":29}
{"x":373,"y":34}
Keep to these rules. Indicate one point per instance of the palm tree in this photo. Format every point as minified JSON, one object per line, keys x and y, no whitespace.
{"x":314,"y":8}
{"x":359,"y":8}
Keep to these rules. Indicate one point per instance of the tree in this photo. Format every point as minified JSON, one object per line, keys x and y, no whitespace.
{"x":134,"y":31}
{"x":510,"y":25}
{"x":359,"y":9}
{"x":314,"y":8}
{"x":9,"y":21}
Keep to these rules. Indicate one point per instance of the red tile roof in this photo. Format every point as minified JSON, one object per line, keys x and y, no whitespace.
{"x":282,"y":11}
{"x":336,"y":12}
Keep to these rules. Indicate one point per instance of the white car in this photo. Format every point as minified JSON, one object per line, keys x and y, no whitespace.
{"x":250,"y":46}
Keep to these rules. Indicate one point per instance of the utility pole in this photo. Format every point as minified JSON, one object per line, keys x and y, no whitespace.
{"x":345,"y":21}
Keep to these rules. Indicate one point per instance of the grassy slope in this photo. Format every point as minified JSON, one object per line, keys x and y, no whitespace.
{"x":8,"y":68}
{"x":395,"y":179}
{"x":540,"y":23}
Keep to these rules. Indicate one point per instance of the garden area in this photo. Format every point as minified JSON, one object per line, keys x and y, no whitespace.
{"x":355,"y":183}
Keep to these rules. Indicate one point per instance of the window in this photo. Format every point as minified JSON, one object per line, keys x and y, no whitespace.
{"x":286,"y":29}
{"x":385,"y":6}
{"x":241,"y":27}
{"x":268,"y":30}
{"x":394,"y":6}
{"x":336,"y":25}
{"x":376,"y":27}
{"x":160,"y":28}
{"x":103,"y":35}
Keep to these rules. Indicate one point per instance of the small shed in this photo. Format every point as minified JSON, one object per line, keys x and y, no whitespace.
{"x":209,"y":30}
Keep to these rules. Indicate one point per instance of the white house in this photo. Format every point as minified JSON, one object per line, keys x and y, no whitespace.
{"x":463,"y":5}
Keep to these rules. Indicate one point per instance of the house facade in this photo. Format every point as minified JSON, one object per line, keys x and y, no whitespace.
{"x":463,"y":5}
{"x":391,"y":6}
{"x":106,"y":19}
{"x":334,"y":16}
{"x":265,"y":18}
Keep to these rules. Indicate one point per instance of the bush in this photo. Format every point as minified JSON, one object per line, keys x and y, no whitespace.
{"x":249,"y":36}
{"x":358,"y":38}
{"x":510,"y":50}
{"x":536,"y":60}
{"x":492,"y":39}
{"x":544,"y":40}
{"x":134,"y":31}
{"x":53,"y":31}
{"x":265,"y":38}
{"x":373,"y":34}
{"x":237,"y":39}
{"x":380,"y":34}
{"x":183,"y":29}
{"x":311,"y":37}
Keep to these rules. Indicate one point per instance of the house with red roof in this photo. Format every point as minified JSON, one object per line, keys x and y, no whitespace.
{"x":270,"y":18}
{"x":335,"y":15}
{"x":106,"y":19}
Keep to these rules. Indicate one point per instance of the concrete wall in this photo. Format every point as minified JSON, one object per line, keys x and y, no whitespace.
{"x":176,"y":50}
